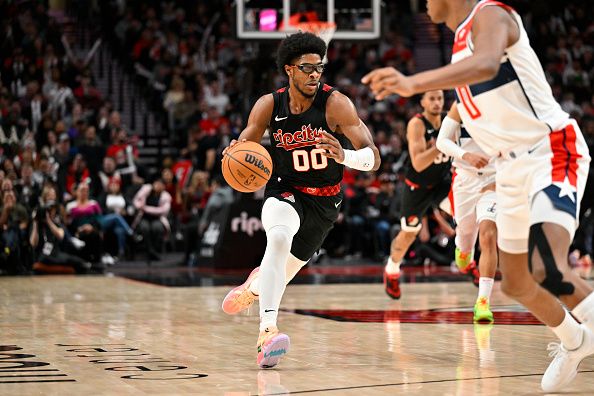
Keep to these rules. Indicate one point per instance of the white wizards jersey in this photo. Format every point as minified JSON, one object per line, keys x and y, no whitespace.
{"x":467,"y":143}
{"x":516,"y":109}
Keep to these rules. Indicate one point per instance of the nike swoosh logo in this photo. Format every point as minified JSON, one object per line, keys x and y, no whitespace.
{"x":269,"y":310}
{"x":338,"y":203}
{"x":280,"y":119}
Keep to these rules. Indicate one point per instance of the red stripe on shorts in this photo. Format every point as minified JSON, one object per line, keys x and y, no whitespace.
{"x":565,"y":155}
{"x":451,"y":194}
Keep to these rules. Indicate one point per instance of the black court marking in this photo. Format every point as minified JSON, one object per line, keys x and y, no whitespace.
{"x":25,"y":371}
{"x":36,"y":381}
{"x":414,"y":383}
{"x":31,"y":375}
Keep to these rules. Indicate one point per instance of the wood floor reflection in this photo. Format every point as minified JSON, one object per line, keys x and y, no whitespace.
{"x":112,"y":336}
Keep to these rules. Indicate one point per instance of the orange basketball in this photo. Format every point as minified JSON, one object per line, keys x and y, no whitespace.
{"x":247,"y":166}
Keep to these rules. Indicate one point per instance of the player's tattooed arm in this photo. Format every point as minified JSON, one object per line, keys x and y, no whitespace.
{"x":342,"y":117}
{"x":257,"y":122}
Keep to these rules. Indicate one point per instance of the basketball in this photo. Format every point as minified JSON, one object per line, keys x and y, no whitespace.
{"x":247,"y":166}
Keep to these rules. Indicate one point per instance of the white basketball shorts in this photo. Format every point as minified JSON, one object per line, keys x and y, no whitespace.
{"x":543,"y":183}
{"x":470,"y":205}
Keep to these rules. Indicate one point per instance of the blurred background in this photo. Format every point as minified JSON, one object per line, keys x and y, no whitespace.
{"x":113,"y":116}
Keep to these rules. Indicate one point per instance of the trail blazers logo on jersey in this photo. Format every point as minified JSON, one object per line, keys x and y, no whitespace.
{"x":293,"y":140}
{"x":288,"y":196}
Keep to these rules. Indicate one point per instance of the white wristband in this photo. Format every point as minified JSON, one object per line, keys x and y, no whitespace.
{"x":362,"y":160}
{"x":446,"y":140}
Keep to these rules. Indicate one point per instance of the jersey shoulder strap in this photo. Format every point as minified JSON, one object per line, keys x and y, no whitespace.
{"x":494,"y":3}
{"x":322,"y":96}
{"x":280,"y":103}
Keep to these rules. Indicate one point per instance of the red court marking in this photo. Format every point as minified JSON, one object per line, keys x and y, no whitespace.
{"x":417,"y":316}
{"x":371,"y":270}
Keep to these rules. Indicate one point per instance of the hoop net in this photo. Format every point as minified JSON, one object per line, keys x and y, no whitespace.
{"x":324,"y":30}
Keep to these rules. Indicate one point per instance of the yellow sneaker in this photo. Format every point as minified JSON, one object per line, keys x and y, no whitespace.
{"x":463,"y":260}
{"x":272,"y":345}
{"x":482,"y":312}
{"x":241,"y":297}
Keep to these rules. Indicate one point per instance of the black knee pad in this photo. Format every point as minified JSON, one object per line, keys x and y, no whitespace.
{"x":553,"y":280}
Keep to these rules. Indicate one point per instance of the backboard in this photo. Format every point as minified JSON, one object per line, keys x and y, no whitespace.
{"x":273,"y":19}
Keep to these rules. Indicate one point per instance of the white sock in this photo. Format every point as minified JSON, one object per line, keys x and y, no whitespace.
{"x":584,"y":311}
{"x":485,"y":287}
{"x":392,"y":267}
{"x":273,"y":273}
{"x":569,"y":332}
{"x":292,"y":268}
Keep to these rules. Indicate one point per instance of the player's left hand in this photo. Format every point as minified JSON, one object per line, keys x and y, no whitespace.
{"x":231,"y":144}
{"x":386,"y":81}
{"x":332,"y":146}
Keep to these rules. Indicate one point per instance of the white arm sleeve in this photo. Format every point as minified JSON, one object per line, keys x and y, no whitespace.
{"x":447,"y":137}
{"x":362,"y":160}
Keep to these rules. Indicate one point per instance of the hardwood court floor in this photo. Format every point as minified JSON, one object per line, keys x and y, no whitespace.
{"x":112,"y":336}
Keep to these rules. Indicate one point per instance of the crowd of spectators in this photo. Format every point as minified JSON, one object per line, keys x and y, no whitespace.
{"x":73,"y":196}
{"x":69,"y":173}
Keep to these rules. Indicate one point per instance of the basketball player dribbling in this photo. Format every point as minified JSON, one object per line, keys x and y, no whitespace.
{"x":308,"y":122}
{"x":474,"y":207}
{"x":428,"y":183}
{"x":508,"y":108}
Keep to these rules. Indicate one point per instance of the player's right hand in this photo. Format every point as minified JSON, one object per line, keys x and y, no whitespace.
{"x":231,"y":144}
{"x":477,"y":160}
{"x":386,"y":81}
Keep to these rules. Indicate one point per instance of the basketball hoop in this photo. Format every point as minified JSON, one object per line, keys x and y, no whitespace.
{"x":324,"y":30}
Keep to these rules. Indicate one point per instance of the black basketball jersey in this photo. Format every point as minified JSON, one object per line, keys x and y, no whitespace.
{"x":438,"y":170}
{"x":296,"y":160}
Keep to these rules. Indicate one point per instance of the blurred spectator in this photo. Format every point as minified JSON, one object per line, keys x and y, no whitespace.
{"x":77,"y":173}
{"x":14,"y":222}
{"x":195,"y":195}
{"x":109,"y":173}
{"x":114,"y":206}
{"x":120,"y":143}
{"x":386,"y":213}
{"x":153,"y":204}
{"x":221,"y":195}
{"x":28,"y":188}
{"x":83,"y":216}
{"x":215,"y":98}
{"x":50,"y":240}
{"x":92,"y":149}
